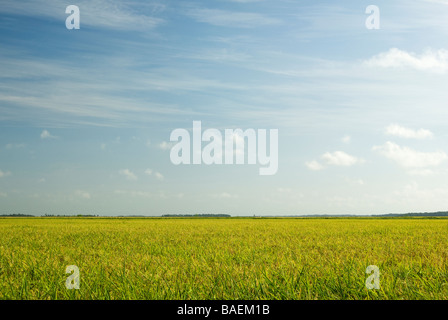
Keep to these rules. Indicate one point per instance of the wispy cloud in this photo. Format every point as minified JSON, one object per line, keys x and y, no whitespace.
{"x":246,"y":1}
{"x":75,"y":99}
{"x":4,"y":174}
{"x":128,"y":174}
{"x":111,"y":14}
{"x":220,"y":55}
{"x":142,"y":194}
{"x":231,"y":19}
{"x":402,"y":132}
{"x":15,"y":145}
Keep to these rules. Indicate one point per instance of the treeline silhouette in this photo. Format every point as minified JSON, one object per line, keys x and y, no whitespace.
{"x":417,"y":214}
{"x":68,"y":215}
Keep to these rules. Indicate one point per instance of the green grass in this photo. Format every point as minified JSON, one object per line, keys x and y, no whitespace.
{"x":149,"y":258}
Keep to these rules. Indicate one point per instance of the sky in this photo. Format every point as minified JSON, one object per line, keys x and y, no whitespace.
{"x":86,"y":114}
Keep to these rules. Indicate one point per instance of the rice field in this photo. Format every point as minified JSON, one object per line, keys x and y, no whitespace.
{"x":229,"y":258}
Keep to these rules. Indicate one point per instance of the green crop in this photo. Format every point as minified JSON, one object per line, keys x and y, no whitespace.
{"x":241,"y":258}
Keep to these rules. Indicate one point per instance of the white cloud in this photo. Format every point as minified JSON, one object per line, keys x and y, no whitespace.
{"x":430,"y":60}
{"x":289,"y":193}
{"x":141,"y":194}
{"x":224,"y":18}
{"x":159,"y":176}
{"x":340,"y":158}
{"x":165,"y":145}
{"x":292,"y":198}
{"x":358,"y":182}
{"x":337,"y":158}
{"x":82,"y":194}
{"x":434,"y":199}
{"x":15,"y":145}
{"x":224,"y":195}
{"x":409,"y":158}
{"x":46,"y":135}
{"x":346,"y":139}
{"x":314,"y":165}
{"x":421,"y":172}
{"x":3,"y":195}
{"x":4,"y":174}
{"x":445,"y":2}
{"x":245,"y":1}
{"x":284,"y":190}
{"x":103,"y":146}
{"x":399,"y":131}
{"x":128,"y":174}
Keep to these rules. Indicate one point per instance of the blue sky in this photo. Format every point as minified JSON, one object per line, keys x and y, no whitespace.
{"x":86,"y":115}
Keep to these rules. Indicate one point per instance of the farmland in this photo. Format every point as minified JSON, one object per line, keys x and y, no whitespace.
{"x":227,"y":258}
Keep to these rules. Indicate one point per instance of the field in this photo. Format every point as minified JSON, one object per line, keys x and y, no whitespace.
{"x":236,"y":258}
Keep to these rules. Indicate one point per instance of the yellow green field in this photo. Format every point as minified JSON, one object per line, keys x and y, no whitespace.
{"x":236,"y":258}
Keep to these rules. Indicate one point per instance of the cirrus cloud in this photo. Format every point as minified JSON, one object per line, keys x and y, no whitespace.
{"x":223,"y":18}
